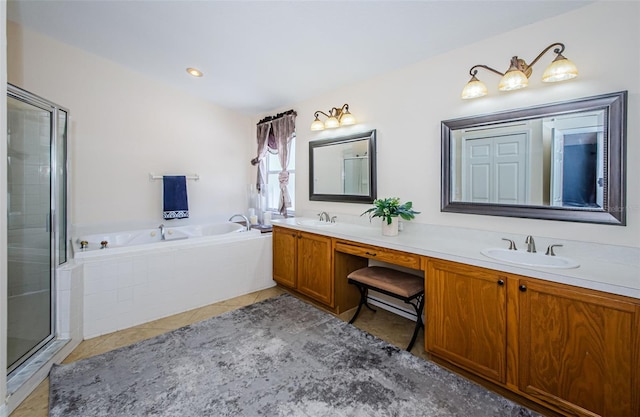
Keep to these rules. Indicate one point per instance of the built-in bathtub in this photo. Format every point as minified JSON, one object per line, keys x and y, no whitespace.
{"x":138,"y":277}
{"x":100,"y":244}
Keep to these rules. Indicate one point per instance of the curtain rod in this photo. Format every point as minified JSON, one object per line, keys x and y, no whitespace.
{"x":277,"y":116}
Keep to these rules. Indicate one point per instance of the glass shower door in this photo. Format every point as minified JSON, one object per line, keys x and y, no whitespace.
{"x":30,"y":236}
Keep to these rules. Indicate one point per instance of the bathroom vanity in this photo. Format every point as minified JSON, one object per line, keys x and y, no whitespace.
{"x":566,"y":339}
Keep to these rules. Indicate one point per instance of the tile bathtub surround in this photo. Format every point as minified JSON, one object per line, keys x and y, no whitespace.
{"x":125,"y":290}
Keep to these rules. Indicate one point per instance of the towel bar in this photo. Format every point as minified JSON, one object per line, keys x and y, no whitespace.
{"x":194,"y":177}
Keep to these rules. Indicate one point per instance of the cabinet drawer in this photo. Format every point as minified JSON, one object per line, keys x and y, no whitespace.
{"x":408,"y":260}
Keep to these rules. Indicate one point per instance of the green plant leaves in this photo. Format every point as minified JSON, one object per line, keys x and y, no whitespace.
{"x":391,"y":207}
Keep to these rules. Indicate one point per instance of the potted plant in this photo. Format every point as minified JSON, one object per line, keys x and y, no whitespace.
{"x":390,"y":209}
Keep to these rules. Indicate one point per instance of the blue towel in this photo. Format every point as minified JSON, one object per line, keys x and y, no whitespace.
{"x":175,"y":197}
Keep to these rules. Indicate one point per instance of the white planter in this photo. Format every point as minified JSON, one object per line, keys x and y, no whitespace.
{"x":390,"y":229}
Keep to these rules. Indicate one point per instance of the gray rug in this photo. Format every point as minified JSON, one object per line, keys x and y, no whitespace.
{"x":280,"y":357}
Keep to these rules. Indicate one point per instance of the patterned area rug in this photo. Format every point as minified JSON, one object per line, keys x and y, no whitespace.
{"x":279,"y":357}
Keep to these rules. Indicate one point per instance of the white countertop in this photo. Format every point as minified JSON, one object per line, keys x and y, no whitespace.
{"x":613,"y":269}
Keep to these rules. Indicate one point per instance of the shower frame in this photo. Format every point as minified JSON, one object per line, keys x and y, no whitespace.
{"x":56,"y":257}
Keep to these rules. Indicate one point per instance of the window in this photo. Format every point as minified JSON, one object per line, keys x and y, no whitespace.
{"x":273,"y":185}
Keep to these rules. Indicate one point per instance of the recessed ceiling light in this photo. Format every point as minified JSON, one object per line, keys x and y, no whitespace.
{"x":195,"y":72}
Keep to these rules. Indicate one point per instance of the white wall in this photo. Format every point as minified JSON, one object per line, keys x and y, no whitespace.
{"x":125,"y":125}
{"x":406,"y":107}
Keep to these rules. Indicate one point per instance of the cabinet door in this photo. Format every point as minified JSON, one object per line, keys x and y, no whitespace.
{"x":579,"y":350}
{"x":314,"y":267}
{"x":284,"y":256}
{"x":466,"y":317}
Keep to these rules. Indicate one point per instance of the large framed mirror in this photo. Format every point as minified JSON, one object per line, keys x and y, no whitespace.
{"x":562,"y":161}
{"x":343,"y":169}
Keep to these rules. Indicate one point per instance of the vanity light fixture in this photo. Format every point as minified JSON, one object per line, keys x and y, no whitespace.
{"x":517,"y":76}
{"x":195,"y":72}
{"x":337,"y":117}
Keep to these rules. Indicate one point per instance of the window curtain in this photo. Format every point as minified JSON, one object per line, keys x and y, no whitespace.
{"x":284,"y":129}
{"x":263,"y":133}
{"x":274,"y":134}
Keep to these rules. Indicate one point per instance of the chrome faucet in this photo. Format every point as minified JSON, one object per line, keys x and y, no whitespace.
{"x":246,"y":220}
{"x":162,"y":234}
{"x":531,"y":245}
{"x":550,"y":251}
{"x":324,"y":215}
{"x":512,"y":244}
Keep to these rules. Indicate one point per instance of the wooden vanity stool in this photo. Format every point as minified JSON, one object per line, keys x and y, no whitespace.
{"x":397,"y":284}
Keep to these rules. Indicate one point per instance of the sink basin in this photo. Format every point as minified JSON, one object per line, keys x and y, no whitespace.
{"x":314,"y":223}
{"x":520,"y":257}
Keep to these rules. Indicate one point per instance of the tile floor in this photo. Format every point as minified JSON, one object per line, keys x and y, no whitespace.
{"x":388,"y":326}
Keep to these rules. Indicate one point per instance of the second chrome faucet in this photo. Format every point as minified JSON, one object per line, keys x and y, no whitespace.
{"x":324,"y":217}
{"x":531,"y":244}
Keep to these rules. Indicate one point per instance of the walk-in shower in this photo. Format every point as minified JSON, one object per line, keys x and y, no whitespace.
{"x":36,"y":219}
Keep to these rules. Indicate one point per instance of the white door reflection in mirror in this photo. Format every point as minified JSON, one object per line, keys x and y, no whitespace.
{"x":501,"y":165}
{"x":496,"y":169}
{"x":577,"y":170}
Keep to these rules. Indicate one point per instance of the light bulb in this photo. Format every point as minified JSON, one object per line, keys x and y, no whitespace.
{"x":559,"y":70}
{"x":332,"y":122}
{"x":513,"y":80}
{"x":474,"y":89}
{"x":347,"y":119}
{"x":317,"y":124}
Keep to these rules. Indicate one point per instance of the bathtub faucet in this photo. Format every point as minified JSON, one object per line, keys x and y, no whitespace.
{"x":162,"y":235}
{"x":246,"y":220}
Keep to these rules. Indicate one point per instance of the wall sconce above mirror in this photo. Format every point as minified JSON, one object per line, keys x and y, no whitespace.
{"x":562,"y":161}
{"x":517,"y":76}
{"x":343,"y":169}
{"x":337,"y":117}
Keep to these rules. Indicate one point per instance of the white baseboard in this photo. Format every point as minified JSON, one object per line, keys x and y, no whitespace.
{"x":406,"y":313}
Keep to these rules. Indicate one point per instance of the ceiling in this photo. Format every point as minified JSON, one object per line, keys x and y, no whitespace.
{"x":259,"y":56}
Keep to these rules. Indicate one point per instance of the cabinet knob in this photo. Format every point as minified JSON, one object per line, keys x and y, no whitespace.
{"x":370,"y":254}
{"x":501,"y":282}
{"x":522,"y":288}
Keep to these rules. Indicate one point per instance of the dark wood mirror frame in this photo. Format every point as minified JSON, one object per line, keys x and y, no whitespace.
{"x":346,"y":198}
{"x":614,"y":208}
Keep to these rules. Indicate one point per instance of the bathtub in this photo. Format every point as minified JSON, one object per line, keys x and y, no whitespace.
{"x":139,"y":278}
{"x":132,"y":240}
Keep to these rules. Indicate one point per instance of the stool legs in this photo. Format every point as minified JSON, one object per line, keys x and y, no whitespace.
{"x":363,"y":301}
{"x":418,"y":306}
{"x":419,"y":324}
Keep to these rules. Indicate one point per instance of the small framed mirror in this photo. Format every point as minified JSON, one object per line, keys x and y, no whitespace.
{"x":343,"y":169}
{"x":562,"y":161}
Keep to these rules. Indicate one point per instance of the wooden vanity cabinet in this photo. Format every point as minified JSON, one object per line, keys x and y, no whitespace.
{"x":285,"y":252}
{"x":573,"y":350}
{"x":314,"y":267}
{"x":579,"y":349}
{"x":377,"y":253}
{"x":466,"y":317}
{"x":303,"y":261}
